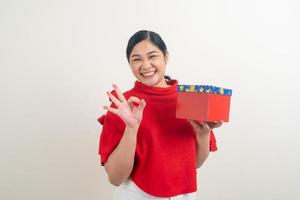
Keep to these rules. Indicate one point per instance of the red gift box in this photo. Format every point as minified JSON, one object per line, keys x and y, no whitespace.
{"x":203,"y":103}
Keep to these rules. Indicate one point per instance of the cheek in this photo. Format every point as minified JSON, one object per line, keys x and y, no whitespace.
{"x":161,"y":65}
{"x":158,"y":63}
{"x":135,"y":69}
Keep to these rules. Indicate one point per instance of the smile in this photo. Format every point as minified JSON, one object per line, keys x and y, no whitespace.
{"x":148,"y":74}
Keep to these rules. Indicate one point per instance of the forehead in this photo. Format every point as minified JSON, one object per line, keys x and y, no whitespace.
{"x":144,"y":47}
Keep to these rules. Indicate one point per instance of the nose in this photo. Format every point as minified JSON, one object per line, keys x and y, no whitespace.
{"x":146,"y":65}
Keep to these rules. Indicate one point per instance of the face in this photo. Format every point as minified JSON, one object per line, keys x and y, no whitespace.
{"x":148,"y":64}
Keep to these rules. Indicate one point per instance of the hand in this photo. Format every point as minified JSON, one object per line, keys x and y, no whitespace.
{"x":205,"y":127}
{"x":126,"y":110}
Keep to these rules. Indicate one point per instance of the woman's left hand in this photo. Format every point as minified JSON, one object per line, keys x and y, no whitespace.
{"x":205,"y":127}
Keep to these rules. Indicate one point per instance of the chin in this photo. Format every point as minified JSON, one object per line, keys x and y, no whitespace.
{"x":153,"y":83}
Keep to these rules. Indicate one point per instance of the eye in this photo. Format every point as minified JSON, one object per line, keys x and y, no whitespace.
{"x":135,"y":60}
{"x":153,"y":56}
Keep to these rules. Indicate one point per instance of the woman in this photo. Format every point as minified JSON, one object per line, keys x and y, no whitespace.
{"x":145,"y":150}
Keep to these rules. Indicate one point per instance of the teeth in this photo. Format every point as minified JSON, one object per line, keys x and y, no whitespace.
{"x":147,"y":74}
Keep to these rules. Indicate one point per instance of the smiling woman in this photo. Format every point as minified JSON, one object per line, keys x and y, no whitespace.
{"x":146,"y":151}
{"x":147,"y":55}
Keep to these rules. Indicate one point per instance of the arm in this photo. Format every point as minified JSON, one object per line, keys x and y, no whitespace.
{"x":202,"y":148}
{"x":121,"y":161}
{"x":202,"y":132}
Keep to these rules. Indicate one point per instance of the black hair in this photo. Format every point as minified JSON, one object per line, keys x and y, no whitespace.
{"x":146,"y":35}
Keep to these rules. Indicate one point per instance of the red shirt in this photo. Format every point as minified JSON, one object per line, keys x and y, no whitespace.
{"x":165,"y":157}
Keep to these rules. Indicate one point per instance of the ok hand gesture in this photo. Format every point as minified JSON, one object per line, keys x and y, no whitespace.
{"x":126,"y":110}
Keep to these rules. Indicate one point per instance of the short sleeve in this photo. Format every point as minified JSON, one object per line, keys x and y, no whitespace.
{"x":212,"y":143}
{"x":111,"y":134}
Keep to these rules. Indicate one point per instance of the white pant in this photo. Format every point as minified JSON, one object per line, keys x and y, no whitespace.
{"x":130,"y":191}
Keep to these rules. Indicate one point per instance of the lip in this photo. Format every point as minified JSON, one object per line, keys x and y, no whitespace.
{"x":148,"y":73}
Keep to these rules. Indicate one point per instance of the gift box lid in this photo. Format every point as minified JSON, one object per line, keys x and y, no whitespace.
{"x":204,"y":89}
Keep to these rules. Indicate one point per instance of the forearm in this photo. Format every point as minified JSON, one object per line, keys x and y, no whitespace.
{"x":202,"y":148}
{"x":120,"y":162}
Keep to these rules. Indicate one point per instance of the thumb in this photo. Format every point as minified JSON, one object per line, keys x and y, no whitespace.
{"x":206,"y":127}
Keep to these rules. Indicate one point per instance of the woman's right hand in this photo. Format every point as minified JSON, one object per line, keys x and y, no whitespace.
{"x":131,"y":115}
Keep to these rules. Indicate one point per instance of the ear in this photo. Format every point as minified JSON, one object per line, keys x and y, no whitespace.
{"x":166,"y":56}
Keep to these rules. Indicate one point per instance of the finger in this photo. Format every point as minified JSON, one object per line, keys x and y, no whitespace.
{"x":195,"y":124}
{"x":113,"y":98}
{"x":113,"y":110}
{"x":142,"y":105}
{"x":119,"y":93}
{"x":211,"y":124}
{"x":215,"y":124}
{"x":133,"y":100}
{"x":218,"y":124}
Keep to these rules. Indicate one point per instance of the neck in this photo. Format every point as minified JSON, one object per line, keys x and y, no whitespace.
{"x":162,"y":83}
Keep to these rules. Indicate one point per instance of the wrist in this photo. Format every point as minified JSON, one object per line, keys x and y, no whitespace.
{"x":132,"y":130}
{"x":200,"y":136}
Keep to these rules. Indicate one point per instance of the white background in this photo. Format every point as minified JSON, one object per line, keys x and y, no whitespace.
{"x":57,"y":59}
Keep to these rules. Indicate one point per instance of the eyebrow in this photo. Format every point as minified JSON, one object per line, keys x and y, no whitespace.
{"x":138,"y":55}
{"x":151,"y":52}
